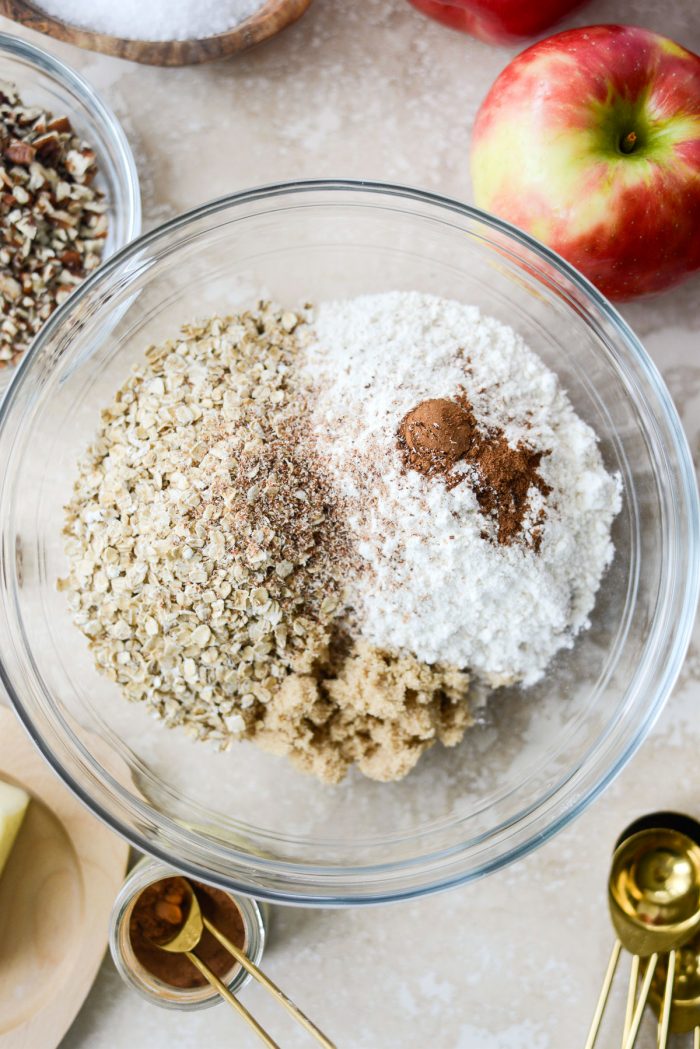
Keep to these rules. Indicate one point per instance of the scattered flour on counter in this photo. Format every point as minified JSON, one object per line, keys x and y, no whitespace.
{"x":433,"y":585}
{"x":154,"y":19}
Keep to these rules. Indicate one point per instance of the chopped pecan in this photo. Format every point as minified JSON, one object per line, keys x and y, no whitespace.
{"x":52,"y":219}
{"x":60,"y":124}
{"x":48,"y":147}
{"x":20,"y":152}
{"x":72,"y":261}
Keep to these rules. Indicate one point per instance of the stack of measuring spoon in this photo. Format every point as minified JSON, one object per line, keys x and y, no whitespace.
{"x":654,"y":900}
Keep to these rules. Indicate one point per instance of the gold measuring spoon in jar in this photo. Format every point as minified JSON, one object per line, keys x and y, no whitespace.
{"x":654,"y":899}
{"x":685,"y":1004}
{"x":186,"y":940}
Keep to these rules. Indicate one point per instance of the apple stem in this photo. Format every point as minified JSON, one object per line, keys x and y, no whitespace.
{"x":628,"y":142}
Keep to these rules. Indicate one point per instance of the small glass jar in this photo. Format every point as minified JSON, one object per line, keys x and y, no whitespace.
{"x":145,"y":873}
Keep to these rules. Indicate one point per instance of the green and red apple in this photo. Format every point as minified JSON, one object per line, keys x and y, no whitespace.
{"x":590,"y":141}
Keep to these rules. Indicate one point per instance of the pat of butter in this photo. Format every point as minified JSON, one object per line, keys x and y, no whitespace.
{"x":13,"y":805}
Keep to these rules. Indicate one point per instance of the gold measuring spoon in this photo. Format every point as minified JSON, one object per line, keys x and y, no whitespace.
{"x":185,"y":941}
{"x":685,"y":1004}
{"x":668,"y":820}
{"x":654,"y":898}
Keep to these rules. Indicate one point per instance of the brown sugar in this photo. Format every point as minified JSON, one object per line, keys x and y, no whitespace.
{"x":438,"y":434}
{"x":157,"y":917}
{"x":365,"y":706}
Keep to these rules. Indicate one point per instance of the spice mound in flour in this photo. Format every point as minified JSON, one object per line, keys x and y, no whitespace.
{"x":209,"y":554}
{"x":53,"y":222}
{"x":438,"y":434}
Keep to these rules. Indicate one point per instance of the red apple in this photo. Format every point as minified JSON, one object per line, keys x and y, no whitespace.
{"x":590,"y":141}
{"x":497,"y":21}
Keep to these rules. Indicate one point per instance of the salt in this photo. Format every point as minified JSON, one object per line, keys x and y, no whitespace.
{"x":432,"y":584}
{"x":154,"y":19}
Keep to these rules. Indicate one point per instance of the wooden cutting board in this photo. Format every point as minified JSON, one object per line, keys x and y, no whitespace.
{"x":56,"y":894}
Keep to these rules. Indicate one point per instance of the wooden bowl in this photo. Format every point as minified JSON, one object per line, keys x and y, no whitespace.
{"x":272,"y":17}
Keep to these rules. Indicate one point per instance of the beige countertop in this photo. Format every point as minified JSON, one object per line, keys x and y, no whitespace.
{"x":371,"y":89}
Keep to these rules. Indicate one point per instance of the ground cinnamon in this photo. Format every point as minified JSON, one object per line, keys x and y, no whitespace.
{"x":436,"y":434}
{"x":439,"y":433}
{"x":158,"y":915}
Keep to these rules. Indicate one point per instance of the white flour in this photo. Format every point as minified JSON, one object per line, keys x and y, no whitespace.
{"x":434,"y":586}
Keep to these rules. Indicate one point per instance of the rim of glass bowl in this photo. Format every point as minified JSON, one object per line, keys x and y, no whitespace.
{"x":342,"y":885}
{"x":127,"y":202}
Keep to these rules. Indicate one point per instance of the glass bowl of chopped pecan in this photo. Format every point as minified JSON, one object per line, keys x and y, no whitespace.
{"x":70,"y":190}
{"x":341,"y":482}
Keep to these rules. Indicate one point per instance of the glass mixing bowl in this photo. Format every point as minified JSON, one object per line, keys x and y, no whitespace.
{"x":43,"y":80}
{"x":247,"y":820}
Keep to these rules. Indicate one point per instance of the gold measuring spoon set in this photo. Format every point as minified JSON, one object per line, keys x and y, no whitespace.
{"x":654,"y":901}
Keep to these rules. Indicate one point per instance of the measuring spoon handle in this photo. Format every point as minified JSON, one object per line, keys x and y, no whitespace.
{"x":665,"y":1015}
{"x":231,"y":999}
{"x":603,"y":996}
{"x":267,"y":983}
{"x":641,"y":1002}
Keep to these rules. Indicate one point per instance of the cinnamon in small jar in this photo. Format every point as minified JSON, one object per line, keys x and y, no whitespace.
{"x":151,"y":908}
{"x":158,"y":915}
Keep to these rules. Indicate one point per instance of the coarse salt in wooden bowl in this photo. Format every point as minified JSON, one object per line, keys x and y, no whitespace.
{"x":271,"y":18}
